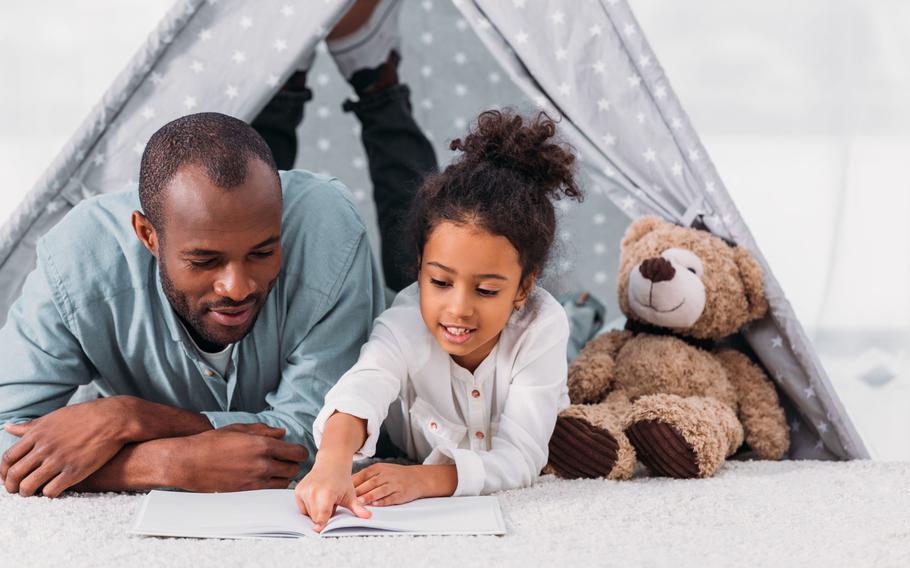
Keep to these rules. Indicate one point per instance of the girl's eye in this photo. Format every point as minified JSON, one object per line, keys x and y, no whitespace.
{"x":483,"y":292}
{"x":439,"y":283}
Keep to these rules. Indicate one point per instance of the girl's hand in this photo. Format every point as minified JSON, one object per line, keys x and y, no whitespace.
{"x":322,"y":490}
{"x":384,"y":484}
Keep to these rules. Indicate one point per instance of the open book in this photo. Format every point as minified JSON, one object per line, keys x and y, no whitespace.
{"x":273,"y":513}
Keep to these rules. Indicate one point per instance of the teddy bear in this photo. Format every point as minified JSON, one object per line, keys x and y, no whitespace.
{"x":669,"y":390}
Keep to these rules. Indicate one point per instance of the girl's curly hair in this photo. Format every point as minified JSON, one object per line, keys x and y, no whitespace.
{"x":505,"y":182}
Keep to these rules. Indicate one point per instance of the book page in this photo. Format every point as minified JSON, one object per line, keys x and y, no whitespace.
{"x":222,"y":515}
{"x":439,"y":515}
{"x":273,"y":513}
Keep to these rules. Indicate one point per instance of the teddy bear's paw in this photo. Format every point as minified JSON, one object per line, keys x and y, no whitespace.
{"x":579,"y":449}
{"x":663,"y":449}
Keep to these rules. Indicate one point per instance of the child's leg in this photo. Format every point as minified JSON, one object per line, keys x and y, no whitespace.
{"x":277,"y":123}
{"x":399,"y":153}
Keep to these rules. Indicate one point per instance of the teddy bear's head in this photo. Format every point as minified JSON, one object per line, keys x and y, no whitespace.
{"x":688,"y":280}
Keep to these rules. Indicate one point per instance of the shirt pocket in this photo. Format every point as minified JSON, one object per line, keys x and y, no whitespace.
{"x":437,"y":430}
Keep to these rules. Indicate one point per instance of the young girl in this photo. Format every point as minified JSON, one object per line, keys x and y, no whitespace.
{"x":469,"y":363}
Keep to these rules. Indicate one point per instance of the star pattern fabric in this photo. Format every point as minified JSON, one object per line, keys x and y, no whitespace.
{"x":586,"y":63}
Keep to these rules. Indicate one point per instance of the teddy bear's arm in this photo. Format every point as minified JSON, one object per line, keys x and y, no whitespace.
{"x":591,"y":372}
{"x":760,"y":411}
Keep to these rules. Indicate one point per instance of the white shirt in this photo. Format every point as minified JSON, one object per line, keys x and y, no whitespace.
{"x":494,"y":424}
{"x":218,"y":360}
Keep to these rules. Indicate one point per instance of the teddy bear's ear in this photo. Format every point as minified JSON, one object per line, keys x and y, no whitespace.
{"x":753,"y":282}
{"x":639,"y":228}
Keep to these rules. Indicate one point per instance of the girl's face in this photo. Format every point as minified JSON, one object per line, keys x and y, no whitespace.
{"x":470,"y":281}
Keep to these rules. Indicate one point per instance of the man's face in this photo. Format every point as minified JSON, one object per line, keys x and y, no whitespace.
{"x":219,"y":251}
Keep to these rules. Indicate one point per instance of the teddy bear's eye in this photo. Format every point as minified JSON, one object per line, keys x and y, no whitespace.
{"x":692,"y":270}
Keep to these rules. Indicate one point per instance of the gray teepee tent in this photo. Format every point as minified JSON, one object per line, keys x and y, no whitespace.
{"x":586,"y":61}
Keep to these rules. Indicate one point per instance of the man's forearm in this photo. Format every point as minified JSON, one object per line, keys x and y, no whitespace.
{"x":149,"y":461}
{"x":137,"y":467}
{"x":150,"y":420}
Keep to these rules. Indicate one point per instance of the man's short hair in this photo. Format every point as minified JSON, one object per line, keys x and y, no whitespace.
{"x":221,"y":144}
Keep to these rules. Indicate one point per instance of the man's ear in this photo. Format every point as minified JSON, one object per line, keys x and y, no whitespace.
{"x":145,"y":232}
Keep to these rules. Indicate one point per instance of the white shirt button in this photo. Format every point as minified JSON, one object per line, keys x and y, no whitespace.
{"x":475,"y":393}
{"x":434,"y":426}
{"x":478,"y":435}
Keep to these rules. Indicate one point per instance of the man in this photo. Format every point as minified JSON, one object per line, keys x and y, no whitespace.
{"x":366,"y":47}
{"x":213,"y":321}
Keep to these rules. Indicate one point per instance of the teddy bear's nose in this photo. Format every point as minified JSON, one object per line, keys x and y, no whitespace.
{"x":657,"y":269}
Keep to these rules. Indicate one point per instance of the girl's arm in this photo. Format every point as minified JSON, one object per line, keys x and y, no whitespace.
{"x":391,"y":484}
{"x":329,"y":483}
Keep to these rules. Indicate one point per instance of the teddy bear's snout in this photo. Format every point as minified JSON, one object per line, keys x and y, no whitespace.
{"x":657,"y":269}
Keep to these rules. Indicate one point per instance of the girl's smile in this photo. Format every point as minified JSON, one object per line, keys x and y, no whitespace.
{"x":457,"y":335}
{"x":469,"y":285}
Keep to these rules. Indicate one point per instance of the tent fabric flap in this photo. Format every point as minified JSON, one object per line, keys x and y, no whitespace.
{"x":586,"y":63}
{"x":592,"y":66}
{"x":227,"y":56}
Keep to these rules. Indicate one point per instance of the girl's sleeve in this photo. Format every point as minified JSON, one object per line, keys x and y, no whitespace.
{"x":538,"y":392}
{"x":367,"y":390}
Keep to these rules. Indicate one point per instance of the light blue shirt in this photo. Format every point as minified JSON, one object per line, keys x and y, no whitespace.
{"x":94,"y":310}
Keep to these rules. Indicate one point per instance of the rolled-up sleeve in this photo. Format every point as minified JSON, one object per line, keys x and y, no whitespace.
{"x":328,"y":350}
{"x":537,"y":394}
{"x":367,"y":390}
{"x":43,"y":363}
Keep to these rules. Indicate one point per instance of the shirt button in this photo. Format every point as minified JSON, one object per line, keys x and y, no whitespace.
{"x":475,"y":393}
{"x":209,"y":373}
{"x":478,"y":435}
{"x":434,"y":426}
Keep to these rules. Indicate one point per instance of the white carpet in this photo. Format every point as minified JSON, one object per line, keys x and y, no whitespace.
{"x":751,"y":513}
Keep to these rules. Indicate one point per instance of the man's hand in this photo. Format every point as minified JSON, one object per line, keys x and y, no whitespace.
{"x":238,"y":457}
{"x":324,"y":488}
{"x":64,"y":447}
{"x":384,"y":484}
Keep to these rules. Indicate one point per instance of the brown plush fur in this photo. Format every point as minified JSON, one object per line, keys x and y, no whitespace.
{"x":713,"y":400}
{"x":733,"y":284}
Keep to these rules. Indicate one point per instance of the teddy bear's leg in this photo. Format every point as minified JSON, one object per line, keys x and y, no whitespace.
{"x":588,"y":441}
{"x":683,"y":436}
{"x":591,"y":372}
{"x":759,"y":407}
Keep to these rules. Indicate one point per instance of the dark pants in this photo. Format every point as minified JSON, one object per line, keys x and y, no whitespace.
{"x":278,"y":121}
{"x":399,"y":157}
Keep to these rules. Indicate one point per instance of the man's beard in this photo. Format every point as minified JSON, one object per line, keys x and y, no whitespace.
{"x":194,"y":319}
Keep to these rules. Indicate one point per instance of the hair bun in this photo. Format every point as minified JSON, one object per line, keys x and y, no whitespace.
{"x":507,"y":140}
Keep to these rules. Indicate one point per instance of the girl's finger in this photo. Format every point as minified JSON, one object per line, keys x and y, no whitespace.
{"x":301,"y":504}
{"x":368,"y":485}
{"x":356,"y":507}
{"x":392,"y":499}
{"x":321,"y":508}
{"x":377,"y":494}
{"x":365,"y":474}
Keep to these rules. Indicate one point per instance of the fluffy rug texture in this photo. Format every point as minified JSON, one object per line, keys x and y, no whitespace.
{"x":750,"y":513}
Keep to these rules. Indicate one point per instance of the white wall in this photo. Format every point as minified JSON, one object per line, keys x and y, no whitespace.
{"x":56,"y":60}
